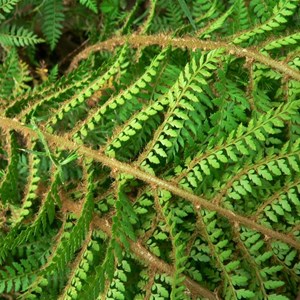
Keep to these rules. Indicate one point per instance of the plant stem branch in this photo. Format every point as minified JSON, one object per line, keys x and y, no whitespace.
{"x":190,"y":43}
{"x":141,"y":252}
{"x":117,"y":166}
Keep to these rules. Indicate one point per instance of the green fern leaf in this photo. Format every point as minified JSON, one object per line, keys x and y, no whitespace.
{"x":160,"y":165}
{"x":6,"y":6}
{"x":91,"y":4}
{"x":18,"y":36}
{"x":52,"y":17}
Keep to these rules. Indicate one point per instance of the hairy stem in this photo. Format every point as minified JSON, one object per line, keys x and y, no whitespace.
{"x":188,"y":43}
{"x":117,"y":166}
{"x":141,"y":252}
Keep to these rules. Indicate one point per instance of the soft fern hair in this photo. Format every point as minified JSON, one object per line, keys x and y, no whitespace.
{"x":163,"y":162}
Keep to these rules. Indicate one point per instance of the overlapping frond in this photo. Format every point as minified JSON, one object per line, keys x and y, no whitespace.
{"x":161,"y":166}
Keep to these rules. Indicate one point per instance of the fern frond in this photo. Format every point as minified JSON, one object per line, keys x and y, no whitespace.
{"x":71,"y":242}
{"x":31,"y":193}
{"x":18,"y":276}
{"x":97,"y":85}
{"x":178,"y":245}
{"x":238,"y":143}
{"x":159,"y":166}
{"x":216,"y":24}
{"x":283,"y":42}
{"x":132,"y":126}
{"x":23,"y":78}
{"x":9,"y":187}
{"x":262,"y":9}
{"x":19,"y":235}
{"x":90,"y":4}
{"x":6,"y":6}
{"x":18,"y":36}
{"x":203,"y":10}
{"x":281,"y":12}
{"x":234,"y":276}
{"x":47,"y":94}
{"x":8,"y":71}
{"x":123,"y":221}
{"x":117,"y":287}
{"x":173,"y":16}
{"x":52,"y":18}
{"x":83,"y":262}
{"x":179,"y":96}
{"x":128,"y":95}
{"x":241,"y":16}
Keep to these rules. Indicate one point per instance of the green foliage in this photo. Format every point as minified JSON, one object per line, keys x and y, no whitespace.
{"x":6,"y":6}
{"x":19,"y":37}
{"x":161,"y":161}
{"x":52,"y":16}
{"x":91,"y":4}
{"x":281,"y":12}
{"x":187,"y":12}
